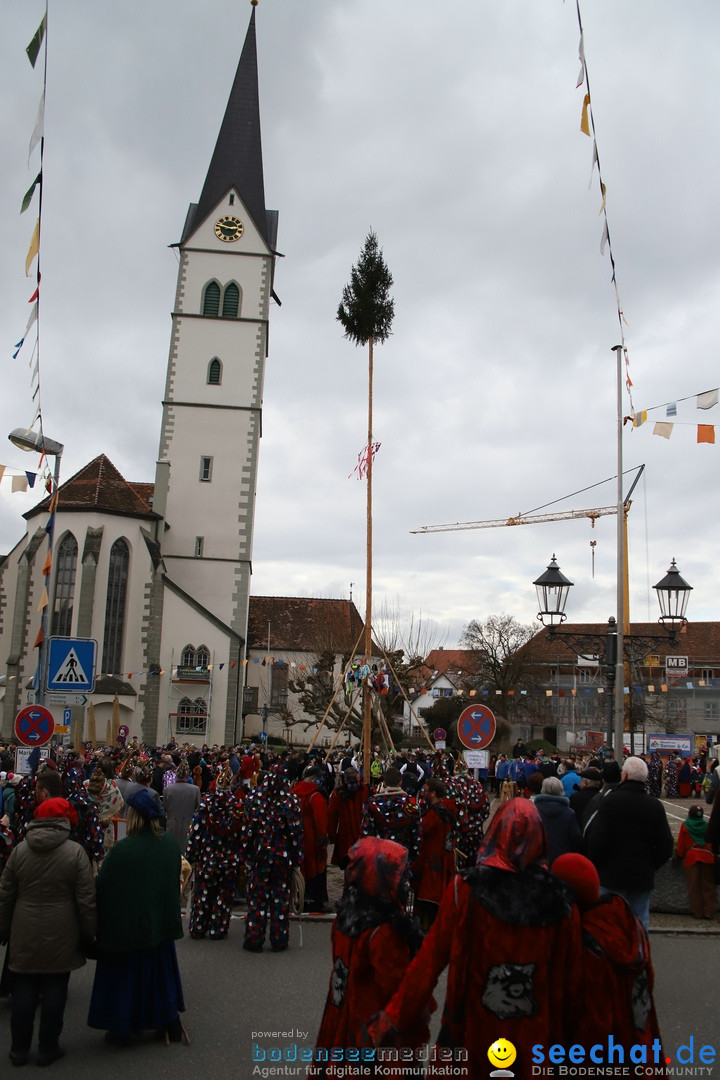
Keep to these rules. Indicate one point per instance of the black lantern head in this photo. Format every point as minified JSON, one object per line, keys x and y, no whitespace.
{"x":552,"y":592}
{"x":673,"y":594}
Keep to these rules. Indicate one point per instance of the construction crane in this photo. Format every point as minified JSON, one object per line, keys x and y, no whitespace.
{"x":520,"y":519}
{"x":561,"y":515}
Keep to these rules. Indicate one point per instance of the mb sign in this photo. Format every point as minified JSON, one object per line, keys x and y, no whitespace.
{"x":71,"y":664}
{"x":676,"y":667}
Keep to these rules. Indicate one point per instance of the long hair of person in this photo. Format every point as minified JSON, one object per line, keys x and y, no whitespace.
{"x":137,"y":823}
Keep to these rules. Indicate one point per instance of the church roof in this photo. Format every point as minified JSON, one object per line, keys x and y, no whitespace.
{"x":99,"y":486}
{"x":301,"y":624}
{"x":237,"y":158}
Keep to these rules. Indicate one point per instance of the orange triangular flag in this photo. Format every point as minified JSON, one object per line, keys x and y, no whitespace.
{"x":706,"y":433}
{"x":47,"y":565}
{"x":39,"y":638}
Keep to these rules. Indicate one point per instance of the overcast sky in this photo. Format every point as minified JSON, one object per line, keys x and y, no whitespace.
{"x":453,"y":131}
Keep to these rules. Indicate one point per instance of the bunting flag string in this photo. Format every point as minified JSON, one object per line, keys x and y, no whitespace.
{"x":664,"y":428}
{"x":587,"y":127}
{"x":37,"y":138}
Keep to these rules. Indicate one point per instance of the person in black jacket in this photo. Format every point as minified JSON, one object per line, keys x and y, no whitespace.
{"x":629,"y":839}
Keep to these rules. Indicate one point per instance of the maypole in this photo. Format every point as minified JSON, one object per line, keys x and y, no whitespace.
{"x":366,"y":312}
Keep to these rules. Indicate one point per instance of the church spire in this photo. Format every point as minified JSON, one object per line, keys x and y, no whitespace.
{"x":237,"y":159}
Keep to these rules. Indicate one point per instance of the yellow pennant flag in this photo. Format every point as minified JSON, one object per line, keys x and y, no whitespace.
{"x":43,"y":600}
{"x":34,"y":247}
{"x":603,"y":189}
{"x":585,"y":121}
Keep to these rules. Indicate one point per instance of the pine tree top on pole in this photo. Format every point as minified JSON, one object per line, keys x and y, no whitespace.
{"x":367,"y":310}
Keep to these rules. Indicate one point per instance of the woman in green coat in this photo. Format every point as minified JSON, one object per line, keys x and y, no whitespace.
{"x":137,"y":980}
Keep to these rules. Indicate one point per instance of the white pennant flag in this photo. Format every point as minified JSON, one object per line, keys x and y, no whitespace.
{"x":605,"y":239}
{"x":39,"y":129}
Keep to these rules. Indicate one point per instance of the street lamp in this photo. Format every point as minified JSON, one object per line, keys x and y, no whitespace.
{"x":36,"y":441}
{"x":673,"y":594}
{"x":552,"y":591}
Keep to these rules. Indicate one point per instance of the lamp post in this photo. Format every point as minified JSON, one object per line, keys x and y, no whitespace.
{"x":552,"y":591}
{"x":36,"y":441}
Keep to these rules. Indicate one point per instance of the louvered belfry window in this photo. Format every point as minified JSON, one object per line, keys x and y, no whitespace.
{"x":211,"y":302}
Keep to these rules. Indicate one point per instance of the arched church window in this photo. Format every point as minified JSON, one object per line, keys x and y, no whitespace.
{"x":231,"y":301}
{"x":214,"y":374}
{"x":202,"y":656}
{"x":188,"y":656}
{"x":115,"y":604}
{"x":211,"y":300}
{"x":66,"y":564}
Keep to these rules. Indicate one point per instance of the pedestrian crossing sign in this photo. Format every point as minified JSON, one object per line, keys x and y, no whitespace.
{"x":71,"y":664}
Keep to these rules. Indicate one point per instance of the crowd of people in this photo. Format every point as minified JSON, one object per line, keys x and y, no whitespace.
{"x":103,"y":838}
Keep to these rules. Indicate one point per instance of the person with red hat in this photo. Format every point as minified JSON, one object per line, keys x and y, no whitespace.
{"x":616,"y":957}
{"x":50,"y":872}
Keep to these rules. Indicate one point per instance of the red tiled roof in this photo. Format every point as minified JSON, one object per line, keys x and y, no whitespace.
{"x":449,"y":662}
{"x":302,"y":624}
{"x":699,"y":641}
{"x":99,"y":486}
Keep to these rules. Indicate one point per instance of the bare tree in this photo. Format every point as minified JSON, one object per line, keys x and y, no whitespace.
{"x":502,"y":661}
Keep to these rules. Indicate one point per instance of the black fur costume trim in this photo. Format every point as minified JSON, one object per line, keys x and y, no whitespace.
{"x":357,"y":912}
{"x":532,"y":897}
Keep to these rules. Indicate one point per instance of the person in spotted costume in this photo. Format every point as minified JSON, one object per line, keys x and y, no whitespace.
{"x":272,"y":842}
{"x":391,"y":814}
{"x":473,"y":809}
{"x":213,"y":849}
{"x":88,"y":832}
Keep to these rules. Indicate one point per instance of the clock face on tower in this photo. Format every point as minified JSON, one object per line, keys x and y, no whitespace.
{"x":229,"y":229}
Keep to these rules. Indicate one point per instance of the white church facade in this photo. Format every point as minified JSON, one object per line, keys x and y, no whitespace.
{"x":159,"y":574}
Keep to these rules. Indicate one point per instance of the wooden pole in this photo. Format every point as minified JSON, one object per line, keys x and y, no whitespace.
{"x":420,"y":724}
{"x":367,"y":703}
{"x":337,"y":687}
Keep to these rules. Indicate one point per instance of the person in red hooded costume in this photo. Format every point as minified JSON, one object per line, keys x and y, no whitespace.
{"x":314,"y":808}
{"x":616,"y":957}
{"x":509,"y":933}
{"x":373,"y":941}
{"x":435,"y":865}
{"x":345,"y":810}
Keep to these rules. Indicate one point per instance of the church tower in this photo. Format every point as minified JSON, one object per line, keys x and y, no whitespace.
{"x":212,"y":411}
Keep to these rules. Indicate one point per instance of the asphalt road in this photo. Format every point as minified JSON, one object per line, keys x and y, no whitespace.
{"x":236,"y":999}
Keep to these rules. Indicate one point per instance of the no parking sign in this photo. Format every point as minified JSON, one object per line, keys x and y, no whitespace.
{"x":34,"y":725}
{"x":476,"y":727}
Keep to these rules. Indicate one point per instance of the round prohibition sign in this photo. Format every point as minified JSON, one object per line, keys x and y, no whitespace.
{"x":476,"y":727}
{"x":34,"y":725}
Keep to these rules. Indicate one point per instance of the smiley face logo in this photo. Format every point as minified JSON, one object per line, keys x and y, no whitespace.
{"x":502,"y":1053}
